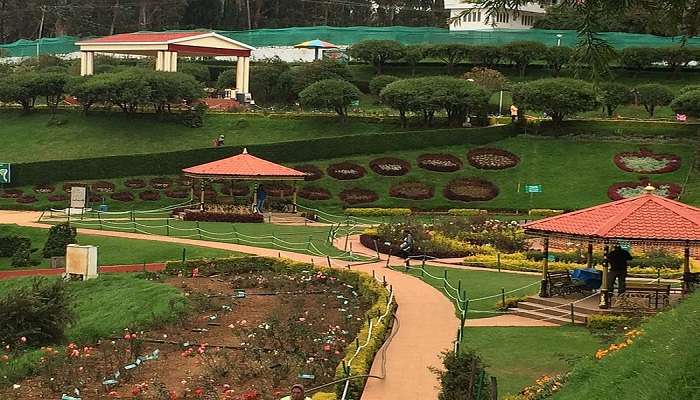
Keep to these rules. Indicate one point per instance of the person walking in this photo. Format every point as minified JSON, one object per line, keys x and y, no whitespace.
{"x":297,"y":393}
{"x":513,"y":113}
{"x":406,"y":246}
{"x":618,"y":259}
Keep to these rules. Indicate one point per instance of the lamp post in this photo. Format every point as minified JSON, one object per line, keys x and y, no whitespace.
{"x":559,"y":36}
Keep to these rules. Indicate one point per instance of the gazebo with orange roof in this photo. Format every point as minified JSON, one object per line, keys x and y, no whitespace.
{"x":646,"y":219}
{"x":244,"y":167}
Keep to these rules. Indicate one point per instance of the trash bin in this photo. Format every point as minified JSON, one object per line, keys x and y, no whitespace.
{"x":103,"y":208}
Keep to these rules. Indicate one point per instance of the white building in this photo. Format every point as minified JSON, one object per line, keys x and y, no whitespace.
{"x":466,"y":15}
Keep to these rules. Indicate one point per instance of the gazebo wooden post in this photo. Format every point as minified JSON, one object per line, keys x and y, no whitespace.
{"x":294,"y":198}
{"x":604,"y":295}
{"x":255,"y":198}
{"x":544,"y":289}
{"x":201,"y":194}
{"x":686,"y":267}
{"x":589,"y":257}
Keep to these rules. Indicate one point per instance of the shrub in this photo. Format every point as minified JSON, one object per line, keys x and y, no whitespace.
{"x":489,"y":158}
{"x":149,"y":195}
{"x":466,"y":212}
{"x":557,"y":58}
{"x":449,"y":53}
{"x":608,"y":322}
{"x":511,"y":302}
{"x":544,"y":212}
{"x":412,"y":191}
{"x":346,"y":170}
{"x":638,"y":58}
{"x":653,"y":95}
{"x":60,"y":236}
{"x":390,"y":166}
{"x":314,"y":193}
{"x":461,"y":375}
{"x":378,"y":212}
{"x":313,"y":172}
{"x":558,"y":97}
{"x":379,"y":82}
{"x":21,"y":257}
{"x":27,"y":199}
{"x":488,"y":79}
{"x":39,"y":312}
{"x":265,"y":79}
{"x":135,"y":183}
{"x":687,"y":103}
{"x":523,"y":53}
{"x":332,"y":94}
{"x":676,"y":57}
{"x":12,"y":193}
{"x":122,"y":196}
{"x":689,"y":88}
{"x":439,"y":162}
{"x":199,"y":72}
{"x":377,"y":52}
{"x":470,"y":189}
{"x":222,"y":217}
{"x":485,"y":55}
{"x":358,"y":196}
{"x":8,"y":244}
{"x":413,"y":54}
{"x":57,"y":197}
{"x":614,"y":95}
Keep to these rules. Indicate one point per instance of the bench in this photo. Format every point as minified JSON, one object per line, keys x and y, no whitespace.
{"x":559,"y":282}
{"x":656,"y":293}
{"x":690,"y":281}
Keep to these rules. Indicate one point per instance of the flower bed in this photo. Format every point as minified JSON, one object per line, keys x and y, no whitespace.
{"x":185,"y":181}
{"x":346,"y":171}
{"x":149,"y":195}
{"x":68,"y":185}
{"x":122,"y":196}
{"x":314,"y":193}
{"x":12,"y":193}
{"x":470,"y":189}
{"x":439,"y":162}
{"x":235,"y":189}
{"x":135,"y":183}
{"x":646,"y":161}
{"x":278,"y":189}
{"x":412,"y":191}
{"x":94,"y":198}
{"x":161,"y":183}
{"x":26,"y":199}
{"x":222,"y":217}
{"x":625,"y":190}
{"x":358,"y":196}
{"x":390,"y":166}
{"x":313,"y":172}
{"x":377,"y":212}
{"x":102,"y":187}
{"x":177,"y":193}
{"x":492,"y":158}
{"x":45,"y":188}
{"x":57,"y":197}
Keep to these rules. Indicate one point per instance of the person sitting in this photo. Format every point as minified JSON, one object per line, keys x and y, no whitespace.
{"x":297,"y":393}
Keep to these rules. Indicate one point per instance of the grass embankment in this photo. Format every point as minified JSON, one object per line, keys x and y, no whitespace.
{"x":661,"y":364}
{"x":113,"y":251}
{"x":103,"y":307}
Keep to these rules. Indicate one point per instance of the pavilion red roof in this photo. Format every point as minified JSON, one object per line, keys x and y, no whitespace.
{"x":144,"y":37}
{"x":244,"y":166}
{"x":644,"y":218}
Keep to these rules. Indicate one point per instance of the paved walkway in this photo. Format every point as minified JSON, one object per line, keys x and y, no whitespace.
{"x":427,"y":322}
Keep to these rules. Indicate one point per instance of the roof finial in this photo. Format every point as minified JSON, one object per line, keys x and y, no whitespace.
{"x":245,"y":150}
{"x":649,"y":189}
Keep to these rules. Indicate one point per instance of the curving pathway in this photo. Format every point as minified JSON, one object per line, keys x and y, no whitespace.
{"x":427,"y":321}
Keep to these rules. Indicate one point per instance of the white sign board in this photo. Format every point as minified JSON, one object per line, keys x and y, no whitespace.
{"x":81,"y":260}
{"x":78,"y":195}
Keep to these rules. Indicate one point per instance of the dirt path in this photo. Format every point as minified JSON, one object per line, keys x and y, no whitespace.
{"x":426,"y":325}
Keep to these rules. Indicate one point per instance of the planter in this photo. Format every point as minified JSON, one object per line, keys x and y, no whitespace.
{"x":439,"y":162}
{"x":314,"y":172}
{"x":122,"y":196}
{"x":412,"y":191}
{"x":346,"y":171}
{"x":161,"y":183}
{"x":45,"y":188}
{"x":470,"y":189}
{"x":102,"y":187}
{"x":492,"y":159}
{"x":12,"y":193}
{"x":149,"y":195}
{"x":390,"y":166}
{"x":647,"y":162}
{"x":314,"y":193}
{"x":358,"y":196}
{"x":625,"y":190}
{"x":135,"y":183}
{"x":26,"y":199}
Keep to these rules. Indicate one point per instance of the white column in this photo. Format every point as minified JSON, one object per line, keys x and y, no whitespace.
{"x":246,"y":76}
{"x":89,"y":63}
{"x":83,"y":63}
{"x":240,"y":67}
{"x":173,"y":61}
{"x":160,"y":60}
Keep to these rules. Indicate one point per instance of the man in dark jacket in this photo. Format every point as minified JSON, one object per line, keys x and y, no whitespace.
{"x":618,"y":268}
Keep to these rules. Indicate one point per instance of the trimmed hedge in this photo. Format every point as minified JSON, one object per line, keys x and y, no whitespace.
{"x":466,"y":212}
{"x":222,"y":217}
{"x":620,"y":129}
{"x":378,"y":212}
{"x":172,"y":163}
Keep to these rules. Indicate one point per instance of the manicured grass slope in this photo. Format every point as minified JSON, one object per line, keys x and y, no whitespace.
{"x":661,"y":364}
{"x":114,"y":251}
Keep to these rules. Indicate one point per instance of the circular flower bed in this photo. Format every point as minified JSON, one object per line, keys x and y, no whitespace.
{"x":12,"y":193}
{"x":57,"y":197}
{"x":26,"y":199}
{"x":439,"y":162}
{"x":122,"y":196}
{"x":358,"y":196}
{"x":185,"y":181}
{"x":103,"y":187}
{"x":135,"y":183}
{"x":314,"y":172}
{"x":68,"y":185}
{"x":346,"y":171}
{"x":149,"y":195}
{"x":278,"y":190}
{"x":646,"y":161}
{"x":161,"y":183}
{"x":390,"y":166}
{"x":470,"y":189}
{"x":412,"y":191}
{"x":94,"y":198}
{"x":314,"y":193}
{"x":492,"y":158}
{"x":177,"y":193}
{"x":235,"y":189}
{"x":625,"y":190}
{"x":44,"y":188}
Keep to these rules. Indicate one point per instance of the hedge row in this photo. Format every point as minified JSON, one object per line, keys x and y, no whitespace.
{"x":632,"y":129}
{"x":293,"y":151}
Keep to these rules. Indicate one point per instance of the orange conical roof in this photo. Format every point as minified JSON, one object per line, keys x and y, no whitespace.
{"x":244,"y":166}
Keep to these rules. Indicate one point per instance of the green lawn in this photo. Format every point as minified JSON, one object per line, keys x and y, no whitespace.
{"x":114,"y":251}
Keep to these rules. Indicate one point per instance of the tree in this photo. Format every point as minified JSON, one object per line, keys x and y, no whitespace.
{"x":653,"y":95}
{"x":450,"y":53}
{"x":377,"y":52}
{"x":379,"y":82}
{"x":687,"y":103}
{"x":485,"y":55}
{"x":264,"y":79}
{"x":638,"y":58}
{"x":200,"y":72}
{"x":558,"y":97}
{"x":308,"y":73}
{"x":676,"y":57}
{"x":413,"y":54}
{"x":226,"y":79}
{"x":51,"y":85}
{"x":334,"y":94}
{"x":401,"y":96}
{"x":89,"y":90}
{"x":457,"y":97}
{"x":60,"y":236}
{"x":20,"y":88}
{"x":128,"y":89}
{"x":523,"y":53}
{"x":488,"y":79}
{"x":166,"y":88}
{"x":557,"y":57}
{"x":614,"y":95}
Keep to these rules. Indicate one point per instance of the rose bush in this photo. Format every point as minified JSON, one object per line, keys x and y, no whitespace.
{"x":102,"y":187}
{"x":346,"y":170}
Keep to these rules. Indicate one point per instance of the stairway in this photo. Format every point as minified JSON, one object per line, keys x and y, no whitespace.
{"x":539,"y":308}
{"x":287,"y":219}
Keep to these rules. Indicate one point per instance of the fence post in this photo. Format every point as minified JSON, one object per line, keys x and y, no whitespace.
{"x":132,"y":215}
{"x":503,"y":297}
{"x":494,"y":388}
{"x":199,"y":231}
{"x":328,"y":258}
{"x":184,"y":254}
{"x":99,"y":218}
{"x":573,"y":319}
{"x":347,"y":238}
{"x":459,"y":287}
{"x":480,"y":385}
{"x":498,"y":261}
{"x":167,"y":227}
{"x":237,"y":238}
{"x":273,"y":240}
{"x":376,"y":247}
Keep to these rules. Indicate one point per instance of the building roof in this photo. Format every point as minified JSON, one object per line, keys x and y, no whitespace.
{"x":244,"y":166}
{"x":144,"y":37}
{"x":644,"y":218}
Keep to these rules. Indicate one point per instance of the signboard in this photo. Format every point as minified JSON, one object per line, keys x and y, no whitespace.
{"x":78,"y":195}
{"x":5,"y":173}
{"x":533,"y":188}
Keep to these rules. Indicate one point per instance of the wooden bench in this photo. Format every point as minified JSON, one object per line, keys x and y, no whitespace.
{"x":559,"y":282}
{"x":690,"y":281}
{"x":657,"y":294}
